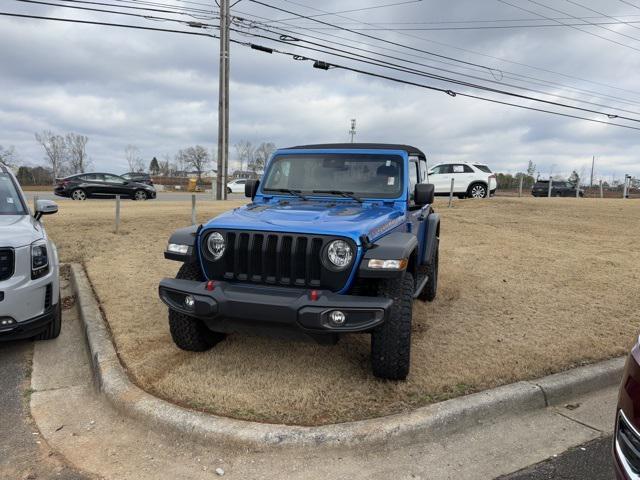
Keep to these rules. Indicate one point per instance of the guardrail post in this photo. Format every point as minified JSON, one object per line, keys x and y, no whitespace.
{"x":193,"y":209}
{"x":550,"y":187}
{"x":601,"y":190}
{"x":520,"y":188}
{"x":577,"y":189}
{"x":451,"y":193}
{"x":35,"y":203}
{"x":117,"y":213}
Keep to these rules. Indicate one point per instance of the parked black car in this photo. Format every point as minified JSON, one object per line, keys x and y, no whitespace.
{"x":84,"y":185}
{"x":558,"y":189}
{"x":139,"y":177}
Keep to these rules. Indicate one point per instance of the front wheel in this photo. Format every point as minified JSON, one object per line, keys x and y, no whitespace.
{"x":391,"y":341}
{"x":190,"y":333}
{"x":229,"y":190}
{"x":53,"y":329}
{"x":140,"y":195}
{"x":431,"y":288}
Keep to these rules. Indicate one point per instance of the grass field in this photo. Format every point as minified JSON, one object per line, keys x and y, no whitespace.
{"x":527,"y":287}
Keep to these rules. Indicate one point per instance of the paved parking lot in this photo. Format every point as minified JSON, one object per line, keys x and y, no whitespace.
{"x":162,"y":196}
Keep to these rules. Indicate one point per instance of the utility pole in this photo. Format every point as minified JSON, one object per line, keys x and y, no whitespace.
{"x":352,"y":132}
{"x":593,"y":162}
{"x":223,"y":104}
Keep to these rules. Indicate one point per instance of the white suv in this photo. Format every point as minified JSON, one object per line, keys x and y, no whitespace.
{"x":30,"y":304}
{"x":473,"y":180}
{"x":236,"y":186}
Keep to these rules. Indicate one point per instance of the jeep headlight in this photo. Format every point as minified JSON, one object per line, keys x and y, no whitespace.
{"x":339,"y":254}
{"x":39,"y":259}
{"x":215,"y":245}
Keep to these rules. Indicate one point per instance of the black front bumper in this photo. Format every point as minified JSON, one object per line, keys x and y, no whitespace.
{"x":28,"y":328}
{"x":231,"y":307}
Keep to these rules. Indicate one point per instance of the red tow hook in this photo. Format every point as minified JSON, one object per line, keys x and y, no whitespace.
{"x":211,"y":285}
{"x":314,"y":295}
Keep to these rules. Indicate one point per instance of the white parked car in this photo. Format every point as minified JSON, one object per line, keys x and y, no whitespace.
{"x":30,"y":304}
{"x":236,"y":186}
{"x":473,"y":180}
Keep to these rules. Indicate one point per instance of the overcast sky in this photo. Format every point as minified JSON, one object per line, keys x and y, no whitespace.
{"x":159,"y":91}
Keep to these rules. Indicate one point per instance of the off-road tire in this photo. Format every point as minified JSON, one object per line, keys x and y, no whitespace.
{"x":391,"y":341}
{"x":189,"y":333}
{"x":431,"y":288}
{"x":53,"y":329}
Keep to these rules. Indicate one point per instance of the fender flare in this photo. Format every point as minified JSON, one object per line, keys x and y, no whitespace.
{"x":184,"y":236}
{"x":395,"y":246}
{"x":432,"y":237}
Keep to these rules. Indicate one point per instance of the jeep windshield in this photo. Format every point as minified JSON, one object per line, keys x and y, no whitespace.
{"x":336,"y":175}
{"x":10,"y":201}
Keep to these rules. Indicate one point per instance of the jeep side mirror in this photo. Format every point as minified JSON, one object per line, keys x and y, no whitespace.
{"x":424,"y":193}
{"x":250,"y":188}
{"x":45,"y":207}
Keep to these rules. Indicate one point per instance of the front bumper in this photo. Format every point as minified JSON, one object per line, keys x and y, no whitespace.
{"x":27,"y":328}
{"x":238,"y":307}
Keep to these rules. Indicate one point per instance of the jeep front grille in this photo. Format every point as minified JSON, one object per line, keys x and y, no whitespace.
{"x":6,"y":263}
{"x":275,"y":259}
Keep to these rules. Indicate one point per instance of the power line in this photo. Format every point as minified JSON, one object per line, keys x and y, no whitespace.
{"x":450,"y":46}
{"x":363,"y":9}
{"x":147,"y":17}
{"x":511,"y":75}
{"x":131,"y":7}
{"x":394,"y":66}
{"x":603,"y":14}
{"x":483,"y":27}
{"x":325,"y":66}
{"x":570,"y":26}
{"x":288,"y":39}
{"x":164,"y":5}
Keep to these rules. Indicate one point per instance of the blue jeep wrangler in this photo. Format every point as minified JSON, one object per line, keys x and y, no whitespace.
{"x":338,"y":239}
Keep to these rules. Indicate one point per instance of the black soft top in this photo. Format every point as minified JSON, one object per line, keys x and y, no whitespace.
{"x":360,"y":146}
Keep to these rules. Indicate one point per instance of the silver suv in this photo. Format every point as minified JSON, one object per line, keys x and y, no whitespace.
{"x":30,"y":304}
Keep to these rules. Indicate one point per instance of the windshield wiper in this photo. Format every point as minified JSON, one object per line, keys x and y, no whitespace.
{"x":297,"y":193}
{"x":342,"y":193}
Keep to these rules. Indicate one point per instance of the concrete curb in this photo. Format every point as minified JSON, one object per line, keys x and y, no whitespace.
{"x":438,"y":419}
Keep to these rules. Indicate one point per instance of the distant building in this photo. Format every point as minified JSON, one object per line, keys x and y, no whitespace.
{"x":243,"y":174}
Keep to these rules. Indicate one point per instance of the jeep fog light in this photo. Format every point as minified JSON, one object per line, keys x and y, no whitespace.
{"x":189,"y":302}
{"x":388,"y":264}
{"x":337,"y":317}
{"x":340,"y":254}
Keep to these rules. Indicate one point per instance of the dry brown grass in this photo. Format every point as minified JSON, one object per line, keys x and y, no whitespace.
{"x":527,"y":287}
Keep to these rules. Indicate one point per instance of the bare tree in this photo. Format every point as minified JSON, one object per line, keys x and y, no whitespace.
{"x":262,"y":154}
{"x":8,"y":156}
{"x":132,"y":154}
{"x":55,"y":149}
{"x":196,"y":157}
{"x":76,"y":146}
{"x":245,"y":151}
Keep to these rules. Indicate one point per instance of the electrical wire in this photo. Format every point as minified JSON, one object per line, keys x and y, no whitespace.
{"x":396,"y":67}
{"x":448,"y":45}
{"x":289,"y":40}
{"x":131,"y":7}
{"x":630,"y":24}
{"x":327,"y":66}
{"x":570,"y":26}
{"x":511,"y":75}
{"x":146,"y":17}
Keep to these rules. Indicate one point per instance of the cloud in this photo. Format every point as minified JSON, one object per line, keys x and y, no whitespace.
{"x":160,"y":91}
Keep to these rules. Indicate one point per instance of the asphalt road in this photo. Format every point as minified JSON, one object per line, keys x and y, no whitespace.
{"x":23,"y":455}
{"x":162,"y":197}
{"x":590,"y":461}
